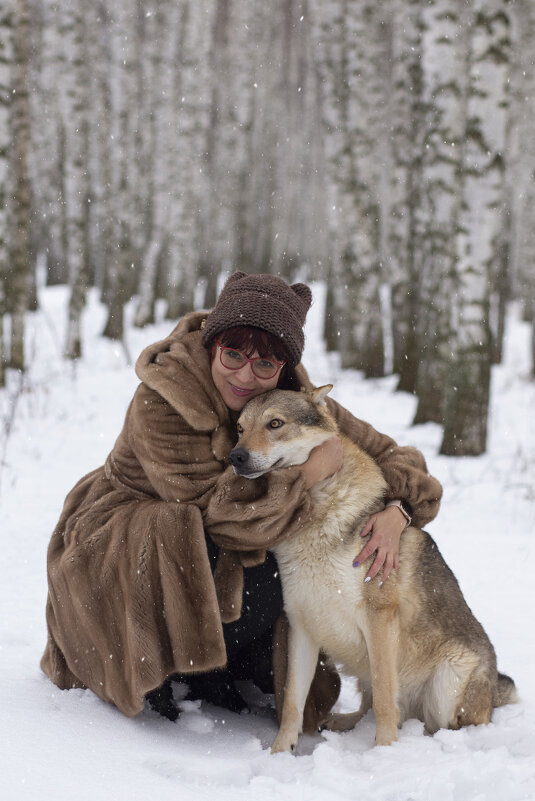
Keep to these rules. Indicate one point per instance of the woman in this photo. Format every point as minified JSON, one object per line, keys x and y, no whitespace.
{"x":157,"y":567}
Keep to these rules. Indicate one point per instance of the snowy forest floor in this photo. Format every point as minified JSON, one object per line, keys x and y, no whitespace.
{"x":60,"y":420}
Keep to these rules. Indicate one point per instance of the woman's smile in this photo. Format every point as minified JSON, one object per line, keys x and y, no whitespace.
{"x":240,"y":391}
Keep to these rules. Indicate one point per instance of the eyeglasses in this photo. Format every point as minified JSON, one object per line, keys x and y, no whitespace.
{"x":234,"y":359}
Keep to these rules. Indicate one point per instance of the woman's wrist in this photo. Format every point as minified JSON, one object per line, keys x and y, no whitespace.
{"x":403,"y":508}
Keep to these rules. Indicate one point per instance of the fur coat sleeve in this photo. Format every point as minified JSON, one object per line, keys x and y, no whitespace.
{"x":248,"y":514}
{"x":404,"y":468}
{"x":184,"y":465}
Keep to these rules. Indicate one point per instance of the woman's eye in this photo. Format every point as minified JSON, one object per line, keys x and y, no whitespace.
{"x":275,"y":423}
{"x":234,"y":354}
{"x":265,"y":364}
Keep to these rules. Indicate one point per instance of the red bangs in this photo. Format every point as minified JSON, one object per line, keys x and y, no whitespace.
{"x":249,"y":339}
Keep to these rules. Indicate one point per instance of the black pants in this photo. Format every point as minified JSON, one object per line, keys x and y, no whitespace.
{"x":262,"y":605}
{"x":248,"y":642}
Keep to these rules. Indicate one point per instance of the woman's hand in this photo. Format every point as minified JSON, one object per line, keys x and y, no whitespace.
{"x":324,"y":460}
{"x":386,"y":527}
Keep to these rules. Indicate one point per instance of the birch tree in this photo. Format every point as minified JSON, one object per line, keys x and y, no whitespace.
{"x":299,"y":207}
{"x":20,"y":147}
{"x":484,"y":148}
{"x":521,"y":170}
{"x":73,"y":105}
{"x":6,"y":63}
{"x":402,"y":205}
{"x":100,"y":153}
{"x":161,"y":90}
{"x":48,"y":146}
{"x":445,"y":34}
{"x":230,"y":103}
{"x":344,"y":56}
{"x":123,"y":109}
{"x":192,"y":130}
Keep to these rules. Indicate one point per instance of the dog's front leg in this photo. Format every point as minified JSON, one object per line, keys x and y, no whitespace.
{"x":382,"y":638}
{"x":302,"y":660}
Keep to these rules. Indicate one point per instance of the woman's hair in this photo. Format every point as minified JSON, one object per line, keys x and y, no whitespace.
{"x":249,"y":340}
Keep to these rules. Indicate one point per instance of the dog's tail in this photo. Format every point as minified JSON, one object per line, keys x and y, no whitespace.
{"x":505,"y":691}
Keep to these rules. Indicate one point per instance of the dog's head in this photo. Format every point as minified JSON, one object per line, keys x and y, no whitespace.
{"x":279,"y":429}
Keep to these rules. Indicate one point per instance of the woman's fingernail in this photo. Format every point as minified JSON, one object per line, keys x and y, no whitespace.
{"x":356,"y":563}
{"x":368,"y":578}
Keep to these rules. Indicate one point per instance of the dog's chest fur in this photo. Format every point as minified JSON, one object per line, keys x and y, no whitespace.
{"x":322,"y":590}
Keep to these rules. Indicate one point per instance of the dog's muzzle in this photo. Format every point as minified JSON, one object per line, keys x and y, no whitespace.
{"x":239,"y":458}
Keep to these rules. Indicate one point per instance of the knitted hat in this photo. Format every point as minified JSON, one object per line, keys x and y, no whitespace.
{"x":262,"y":301}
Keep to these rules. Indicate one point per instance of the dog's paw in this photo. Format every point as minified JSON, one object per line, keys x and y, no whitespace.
{"x":284,"y":743}
{"x":387,"y":736}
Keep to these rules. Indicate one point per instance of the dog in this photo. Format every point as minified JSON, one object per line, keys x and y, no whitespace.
{"x":413,"y":644}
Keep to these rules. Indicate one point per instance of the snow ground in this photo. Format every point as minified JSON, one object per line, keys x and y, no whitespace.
{"x":69,"y":744}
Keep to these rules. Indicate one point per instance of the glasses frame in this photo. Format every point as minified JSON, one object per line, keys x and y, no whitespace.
{"x":221,"y":347}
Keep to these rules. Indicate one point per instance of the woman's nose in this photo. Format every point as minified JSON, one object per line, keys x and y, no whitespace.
{"x":245,"y":373}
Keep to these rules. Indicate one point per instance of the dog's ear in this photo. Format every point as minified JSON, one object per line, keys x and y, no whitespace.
{"x":319,"y":393}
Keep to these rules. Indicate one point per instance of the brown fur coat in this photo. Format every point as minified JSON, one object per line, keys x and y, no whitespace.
{"x":132,"y":599}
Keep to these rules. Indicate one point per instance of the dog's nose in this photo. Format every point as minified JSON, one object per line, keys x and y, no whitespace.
{"x":238,"y":457}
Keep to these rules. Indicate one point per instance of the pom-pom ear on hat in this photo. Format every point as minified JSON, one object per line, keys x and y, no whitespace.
{"x":237,"y":276}
{"x":304,"y":292}
{"x":263,"y":301}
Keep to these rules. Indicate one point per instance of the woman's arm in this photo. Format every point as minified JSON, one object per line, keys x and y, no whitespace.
{"x":404,"y":468}
{"x":178,"y":461}
{"x":245,"y":513}
{"x":408,"y":480}
{"x":248,"y":514}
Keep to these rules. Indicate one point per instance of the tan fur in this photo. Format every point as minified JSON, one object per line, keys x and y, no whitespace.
{"x":413,"y":644}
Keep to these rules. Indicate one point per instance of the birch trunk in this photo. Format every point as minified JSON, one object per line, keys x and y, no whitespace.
{"x":160,"y":85}
{"x":73,"y":104}
{"x":299,"y":246}
{"x":123,"y":49}
{"x":467,"y":399}
{"x":6,"y":66}
{"x":403,"y":241}
{"x":521,"y":171}
{"x":191,"y":166}
{"x":47,"y":135}
{"x":99,"y":145}
{"x":345,"y":54}
{"x":444,"y":64}
{"x":20,"y":133}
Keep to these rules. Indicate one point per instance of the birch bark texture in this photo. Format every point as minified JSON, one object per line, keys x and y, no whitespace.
{"x":521,"y":175}
{"x":344,"y":53}
{"x":20,"y":151}
{"x":191,"y":155}
{"x":161,"y":93}
{"x":445,"y":32}
{"x":124,"y":43}
{"x":73,"y":93}
{"x":480,"y":225}
{"x":403,"y":229}
{"x":6,"y":67}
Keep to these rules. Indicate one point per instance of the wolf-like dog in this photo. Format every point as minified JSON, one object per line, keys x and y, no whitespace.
{"x":413,"y":644}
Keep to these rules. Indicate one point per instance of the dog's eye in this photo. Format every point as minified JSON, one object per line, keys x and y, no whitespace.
{"x":239,"y":428}
{"x":276,"y":423}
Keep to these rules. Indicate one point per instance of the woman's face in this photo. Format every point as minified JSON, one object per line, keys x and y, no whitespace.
{"x":236,"y":387}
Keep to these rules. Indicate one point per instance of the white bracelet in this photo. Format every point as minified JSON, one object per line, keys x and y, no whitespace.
{"x":403,"y":511}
